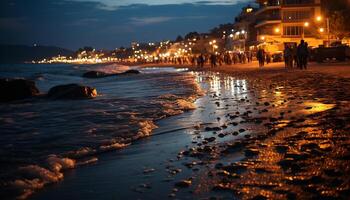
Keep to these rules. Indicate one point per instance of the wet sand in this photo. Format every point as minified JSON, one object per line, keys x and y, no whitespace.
{"x":256,"y":134}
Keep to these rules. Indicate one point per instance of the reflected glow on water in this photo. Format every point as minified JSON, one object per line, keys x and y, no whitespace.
{"x":315,"y":107}
{"x":224,"y":85}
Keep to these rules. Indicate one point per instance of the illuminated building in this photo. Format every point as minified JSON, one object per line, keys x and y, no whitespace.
{"x":288,"y":21}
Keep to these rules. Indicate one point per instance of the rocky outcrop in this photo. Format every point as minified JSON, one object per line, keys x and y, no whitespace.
{"x":72,"y":91}
{"x":17,"y":89}
{"x":97,"y":74}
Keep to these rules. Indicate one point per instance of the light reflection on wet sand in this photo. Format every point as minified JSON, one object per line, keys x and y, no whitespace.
{"x":275,"y":120}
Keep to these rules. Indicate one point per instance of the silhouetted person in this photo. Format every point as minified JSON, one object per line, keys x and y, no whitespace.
{"x":261,"y":57}
{"x":200,"y":61}
{"x":213,"y":60}
{"x":268,"y":58}
{"x":288,"y":57}
{"x":302,"y":54}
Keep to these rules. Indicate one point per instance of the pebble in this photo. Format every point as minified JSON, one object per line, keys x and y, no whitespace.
{"x":184,"y":183}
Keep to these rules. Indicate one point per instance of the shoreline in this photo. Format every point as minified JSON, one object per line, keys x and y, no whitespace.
{"x":274,"y":114}
{"x":336,"y":69}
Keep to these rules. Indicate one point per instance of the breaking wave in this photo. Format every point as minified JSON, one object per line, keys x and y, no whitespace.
{"x":62,"y":135}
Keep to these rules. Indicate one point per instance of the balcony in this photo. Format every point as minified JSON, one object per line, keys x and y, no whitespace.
{"x":267,"y":22}
{"x":268,"y":19}
{"x":267,"y":8}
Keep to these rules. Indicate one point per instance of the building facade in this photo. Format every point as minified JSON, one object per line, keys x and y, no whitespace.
{"x":288,"y":21}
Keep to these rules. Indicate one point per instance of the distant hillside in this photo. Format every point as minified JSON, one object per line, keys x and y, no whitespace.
{"x":22,"y":53}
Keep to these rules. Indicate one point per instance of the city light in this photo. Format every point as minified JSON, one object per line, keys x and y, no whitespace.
{"x":319,"y":18}
{"x":306,"y":24}
{"x":321,"y":30}
{"x":262,"y":37}
{"x":277,"y":30}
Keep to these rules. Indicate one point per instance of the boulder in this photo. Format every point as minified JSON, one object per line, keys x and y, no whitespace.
{"x":72,"y":91}
{"x":17,"y":89}
{"x":97,"y":74}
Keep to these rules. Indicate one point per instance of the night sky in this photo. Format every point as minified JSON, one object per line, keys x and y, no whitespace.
{"x":107,"y":24}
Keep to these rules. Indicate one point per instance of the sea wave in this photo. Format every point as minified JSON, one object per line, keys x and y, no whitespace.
{"x":127,"y":110}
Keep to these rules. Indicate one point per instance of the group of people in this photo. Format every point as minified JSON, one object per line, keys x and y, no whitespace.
{"x":263,"y":57}
{"x":296,"y":55}
{"x":228,"y":58}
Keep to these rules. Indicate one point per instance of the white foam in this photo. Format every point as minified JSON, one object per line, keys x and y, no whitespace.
{"x":145,"y":129}
{"x":57,"y":164}
{"x":113,"y":146}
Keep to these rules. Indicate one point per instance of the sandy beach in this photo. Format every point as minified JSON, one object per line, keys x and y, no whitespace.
{"x":257,"y":133}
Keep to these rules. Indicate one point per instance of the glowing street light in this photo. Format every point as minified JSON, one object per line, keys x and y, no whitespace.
{"x":319,"y":18}
{"x":306,"y":24}
{"x":231,"y":35}
{"x":277,"y":30}
{"x":243,"y":31}
{"x":321,"y":30}
{"x":262,"y":37}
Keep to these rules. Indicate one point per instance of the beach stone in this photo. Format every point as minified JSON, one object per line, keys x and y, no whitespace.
{"x":72,"y":91}
{"x":213,"y":129}
{"x":220,"y":187}
{"x":251,"y":152}
{"x":241,"y":130}
{"x":17,"y":89}
{"x":235,"y":168}
{"x":184,"y":183}
{"x":281,"y":149}
{"x":235,"y":133}
{"x":221,"y":135}
{"x":211,"y":139}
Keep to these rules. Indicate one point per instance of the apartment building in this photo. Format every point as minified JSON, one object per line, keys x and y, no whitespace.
{"x":288,"y":21}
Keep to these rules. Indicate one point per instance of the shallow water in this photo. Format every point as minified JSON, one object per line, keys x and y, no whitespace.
{"x":121,"y":175}
{"x":40,"y":137}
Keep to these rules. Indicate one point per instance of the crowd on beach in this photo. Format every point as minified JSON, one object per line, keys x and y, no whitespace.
{"x":294,"y":56}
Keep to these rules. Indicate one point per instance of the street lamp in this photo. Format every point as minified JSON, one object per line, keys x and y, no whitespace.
{"x":306,"y":24}
{"x":319,"y":19}
{"x":277,"y":30}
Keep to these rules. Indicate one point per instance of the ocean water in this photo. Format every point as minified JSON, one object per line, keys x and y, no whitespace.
{"x":39,"y":137}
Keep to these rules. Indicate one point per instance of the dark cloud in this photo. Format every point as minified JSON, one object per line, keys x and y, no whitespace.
{"x":73,"y":24}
